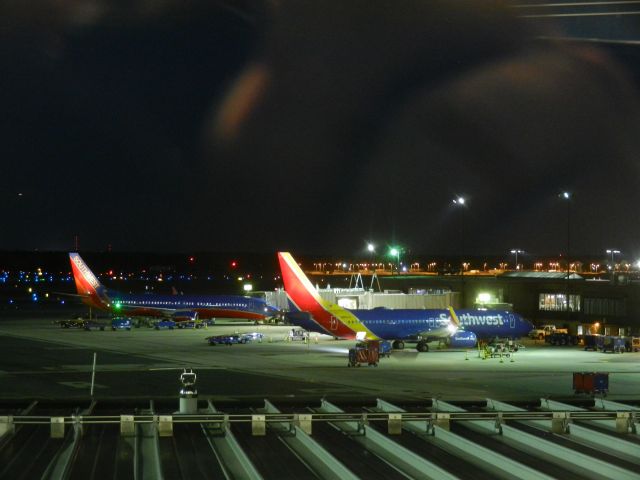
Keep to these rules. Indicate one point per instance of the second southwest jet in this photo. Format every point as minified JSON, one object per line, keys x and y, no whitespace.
{"x":314,"y":313}
{"x":176,"y":307}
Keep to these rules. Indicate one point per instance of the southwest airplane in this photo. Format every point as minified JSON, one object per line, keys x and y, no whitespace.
{"x":176,"y":307}
{"x":313,"y":313}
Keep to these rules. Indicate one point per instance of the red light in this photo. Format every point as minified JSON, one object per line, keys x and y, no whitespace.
{"x":110,"y":272}
{"x":192,"y":259}
{"x":234,"y":264}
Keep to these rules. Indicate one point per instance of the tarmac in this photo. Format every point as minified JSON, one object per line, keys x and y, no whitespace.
{"x":42,"y":361}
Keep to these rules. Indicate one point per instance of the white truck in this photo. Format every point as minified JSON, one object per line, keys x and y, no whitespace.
{"x":541,"y":332}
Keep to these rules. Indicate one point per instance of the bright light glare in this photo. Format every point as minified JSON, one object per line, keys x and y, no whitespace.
{"x":247,"y":287}
{"x":484,"y":297}
{"x":370,"y":247}
{"x":451,"y":328}
{"x":566,"y":195}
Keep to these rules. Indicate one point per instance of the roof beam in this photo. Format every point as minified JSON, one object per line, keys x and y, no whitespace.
{"x":584,"y":465}
{"x":233,"y":460}
{"x":396,"y":455}
{"x":485,"y":458}
{"x":146,"y":450}
{"x":625,"y":423}
{"x":603,"y":442}
{"x":323,"y":464}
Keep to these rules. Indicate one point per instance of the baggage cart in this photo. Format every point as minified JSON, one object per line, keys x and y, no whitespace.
{"x":613,"y":344}
{"x":591,"y":382}
{"x":364,"y":353}
{"x":592,"y":342}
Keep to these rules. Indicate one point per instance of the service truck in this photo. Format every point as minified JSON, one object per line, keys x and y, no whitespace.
{"x":545,"y":330}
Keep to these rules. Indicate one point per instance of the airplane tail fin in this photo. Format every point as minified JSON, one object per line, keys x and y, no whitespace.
{"x":87,"y":284}
{"x":299,"y":289}
{"x":304,"y":297}
{"x":455,"y":324}
{"x":454,"y":318}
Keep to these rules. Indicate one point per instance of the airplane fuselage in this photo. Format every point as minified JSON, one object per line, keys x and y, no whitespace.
{"x":407,"y":323}
{"x":218,"y":306}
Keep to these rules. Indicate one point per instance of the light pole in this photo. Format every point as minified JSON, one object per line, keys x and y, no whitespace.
{"x":613,"y":264}
{"x":516,"y":251}
{"x":372,"y":250}
{"x":395,"y":252}
{"x":566,"y":196}
{"x":461,"y":202}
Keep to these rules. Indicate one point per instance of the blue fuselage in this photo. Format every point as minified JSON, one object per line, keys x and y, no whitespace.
{"x":206,"y":306}
{"x":407,"y":323}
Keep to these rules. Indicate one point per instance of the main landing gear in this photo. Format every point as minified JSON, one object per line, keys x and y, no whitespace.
{"x":422,"y":346}
{"x":398,"y":345}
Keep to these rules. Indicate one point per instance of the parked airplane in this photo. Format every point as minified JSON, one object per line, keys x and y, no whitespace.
{"x":310,"y":311}
{"x":176,"y":307}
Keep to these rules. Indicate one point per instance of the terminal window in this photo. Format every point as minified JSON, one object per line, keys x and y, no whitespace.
{"x":557,"y":302}
{"x":610,"y":307}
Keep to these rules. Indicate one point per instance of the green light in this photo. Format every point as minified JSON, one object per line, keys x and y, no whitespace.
{"x":118,"y":305}
{"x":394,"y":252}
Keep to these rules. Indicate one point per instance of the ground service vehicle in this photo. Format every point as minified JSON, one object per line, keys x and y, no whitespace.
{"x":591,"y":382}
{"x":73,"y":323}
{"x":225,"y":340}
{"x":121,"y":323}
{"x":557,"y":338}
{"x":170,"y":324}
{"x":251,"y":336}
{"x":613,"y":344}
{"x":364,"y":352}
{"x":91,"y":325}
{"x":544,"y":330}
{"x":592,"y":342}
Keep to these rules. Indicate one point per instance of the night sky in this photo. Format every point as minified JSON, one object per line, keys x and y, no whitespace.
{"x":358,"y":123}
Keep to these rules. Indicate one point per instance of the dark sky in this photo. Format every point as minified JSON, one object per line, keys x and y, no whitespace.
{"x":369,"y":120}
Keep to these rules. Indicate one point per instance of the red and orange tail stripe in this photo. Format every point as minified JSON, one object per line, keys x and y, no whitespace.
{"x":335,"y":319}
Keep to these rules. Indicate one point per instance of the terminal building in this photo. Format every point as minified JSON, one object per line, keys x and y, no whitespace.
{"x":584,"y":305}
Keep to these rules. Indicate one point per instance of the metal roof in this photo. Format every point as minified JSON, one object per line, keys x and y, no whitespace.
{"x":436,"y":440}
